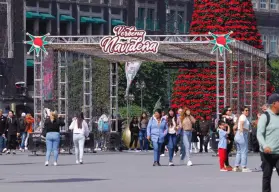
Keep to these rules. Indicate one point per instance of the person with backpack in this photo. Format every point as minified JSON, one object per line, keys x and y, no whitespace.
{"x":268,"y":134}
{"x":23,"y":134}
{"x":156,"y":131}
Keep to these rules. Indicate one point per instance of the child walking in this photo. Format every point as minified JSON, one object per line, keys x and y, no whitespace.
{"x":222,"y":145}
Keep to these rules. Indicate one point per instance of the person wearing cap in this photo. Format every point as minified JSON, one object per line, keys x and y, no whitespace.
{"x":268,"y":134}
{"x":23,"y":133}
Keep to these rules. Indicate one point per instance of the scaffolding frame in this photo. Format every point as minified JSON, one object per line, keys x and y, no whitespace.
{"x":113,"y":96}
{"x":63,"y":86}
{"x":87,"y":88}
{"x":38,"y":87}
{"x":173,"y":48}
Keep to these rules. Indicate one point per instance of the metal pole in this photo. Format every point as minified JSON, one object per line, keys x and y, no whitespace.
{"x":141,"y":98}
{"x":169,"y":91}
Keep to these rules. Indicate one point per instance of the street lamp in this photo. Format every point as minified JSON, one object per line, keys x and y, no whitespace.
{"x":141,"y":86}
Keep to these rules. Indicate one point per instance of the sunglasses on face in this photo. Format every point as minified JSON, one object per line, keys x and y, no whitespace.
{"x":246,"y":110}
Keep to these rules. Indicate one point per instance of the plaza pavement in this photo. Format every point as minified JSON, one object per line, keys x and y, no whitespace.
{"x":125,"y":172}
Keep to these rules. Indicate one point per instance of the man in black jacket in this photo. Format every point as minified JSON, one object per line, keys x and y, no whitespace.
{"x":12,"y":126}
{"x":2,"y":131}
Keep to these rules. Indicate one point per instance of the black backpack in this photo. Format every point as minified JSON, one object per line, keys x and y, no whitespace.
{"x":21,"y":125}
{"x":267,"y":118}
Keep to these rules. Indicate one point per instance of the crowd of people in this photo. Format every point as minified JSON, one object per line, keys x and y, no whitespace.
{"x":172,"y":131}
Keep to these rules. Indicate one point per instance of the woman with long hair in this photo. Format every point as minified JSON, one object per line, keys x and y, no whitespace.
{"x":29,"y":120}
{"x":142,"y":132}
{"x":172,"y":131}
{"x":241,"y":141}
{"x":52,"y":129}
{"x":134,"y":129}
{"x":229,"y":118}
{"x":156,"y":131}
{"x":80,"y":132}
{"x":186,"y":123}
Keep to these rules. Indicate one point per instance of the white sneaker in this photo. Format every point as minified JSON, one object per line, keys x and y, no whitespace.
{"x":4,"y":150}
{"x":174,"y":154}
{"x":223,"y":170}
{"x":274,"y":169}
{"x":46,"y":163}
{"x":77,"y":161}
{"x":162,"y":155}
{"x":55,"y":163}
{"x":171,"y":164}
{"x":25,"y":148}
{"x":8,"y":151}
{"x":189,"y":163}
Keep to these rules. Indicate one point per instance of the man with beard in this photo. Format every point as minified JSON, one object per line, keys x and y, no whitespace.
{"x":2,"y":132}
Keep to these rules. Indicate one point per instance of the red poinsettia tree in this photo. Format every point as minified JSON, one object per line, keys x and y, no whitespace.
{"x":196,"y":88}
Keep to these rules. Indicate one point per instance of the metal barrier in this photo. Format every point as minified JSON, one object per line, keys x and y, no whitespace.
{"x":37,"y":142}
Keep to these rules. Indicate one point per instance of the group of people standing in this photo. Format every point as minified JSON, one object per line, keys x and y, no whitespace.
{"x":13,"y":130}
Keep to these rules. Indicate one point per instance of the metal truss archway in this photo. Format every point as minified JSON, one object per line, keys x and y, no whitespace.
{"x":232,"y":70}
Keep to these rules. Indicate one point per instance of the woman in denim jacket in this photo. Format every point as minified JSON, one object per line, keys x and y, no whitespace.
{"x":156,"y":130}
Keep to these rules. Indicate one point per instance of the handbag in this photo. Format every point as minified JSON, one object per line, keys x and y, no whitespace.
{"x":239,"y":137}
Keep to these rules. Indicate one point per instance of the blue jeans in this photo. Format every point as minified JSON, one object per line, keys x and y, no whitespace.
{"x":185,"y":148}
{"x":156,"y":151}
{"x":52,"y":144}
{"x":23,"y":137}
{"x":171,"y":145}
{"x":143,"y":139}
{"x":3,"y":142}
{"x":242,"y":152}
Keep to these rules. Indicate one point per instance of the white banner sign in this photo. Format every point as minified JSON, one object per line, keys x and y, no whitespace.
{"x":131,"y":69}
{"x":128,"y":40}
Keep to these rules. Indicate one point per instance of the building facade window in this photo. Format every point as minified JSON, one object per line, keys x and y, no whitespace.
{"x":273,"y":44}
{"x":255,"y":4}
{"x":141,"y":13}
{"x":264,"y":40}
{"x":273,"y":4}
{"x":263,"y":4}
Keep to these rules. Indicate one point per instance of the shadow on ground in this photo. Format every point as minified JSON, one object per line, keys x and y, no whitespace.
{"x":86,"y":163}
{"x":17,"y":164}
{"x":70,"y":180}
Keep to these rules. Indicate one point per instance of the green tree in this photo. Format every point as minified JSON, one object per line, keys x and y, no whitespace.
{"x":156,"y":80}
{"x":275,"y":73}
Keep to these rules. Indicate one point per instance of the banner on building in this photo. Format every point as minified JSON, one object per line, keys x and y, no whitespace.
{"x":131,"y":69}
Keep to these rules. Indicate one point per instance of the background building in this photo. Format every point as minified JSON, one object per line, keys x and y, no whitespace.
{"x":267,"y":13}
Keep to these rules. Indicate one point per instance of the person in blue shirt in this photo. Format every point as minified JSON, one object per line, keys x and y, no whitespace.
{"x":223,"y":142}
{"x":156,"y":130}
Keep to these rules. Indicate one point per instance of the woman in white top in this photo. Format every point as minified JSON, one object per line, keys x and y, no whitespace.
{"x":172,"y":131}
{"x":241,"y":141}
{"x":80,"y":132}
